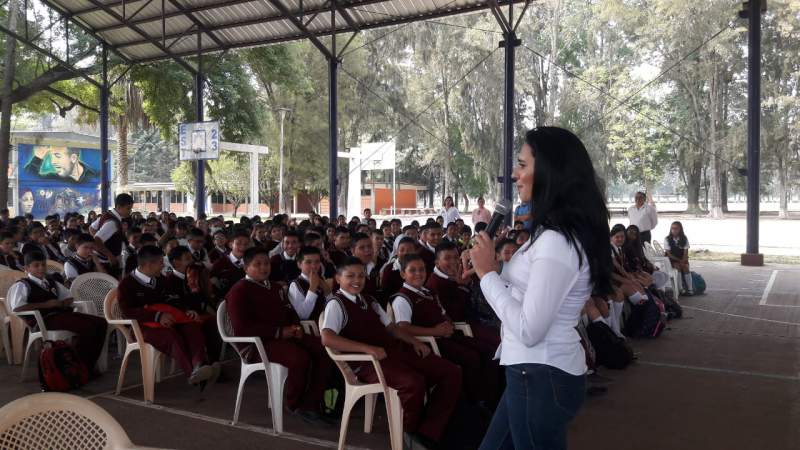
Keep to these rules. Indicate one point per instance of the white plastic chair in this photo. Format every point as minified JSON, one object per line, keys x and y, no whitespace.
{"x":134,"y":338}
{"x":276,"y":374}
{"x":430,"y":340}
{"x":5,"y":332}
{"x":663,"y":264}
{"x":355,"y":389}
{"x":16,"y":327}
{"x":54,"y":267}
{"x":310,"y":327}
{"x":56,"y":421}
{"x":93,"y":287}
{"x":36,"y":333}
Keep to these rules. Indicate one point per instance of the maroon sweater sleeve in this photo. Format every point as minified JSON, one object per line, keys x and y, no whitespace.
{"x":132,"y":300}
{"x":249,"y":313}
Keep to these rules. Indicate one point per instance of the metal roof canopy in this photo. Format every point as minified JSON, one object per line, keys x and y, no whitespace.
{"x":152,"y":30}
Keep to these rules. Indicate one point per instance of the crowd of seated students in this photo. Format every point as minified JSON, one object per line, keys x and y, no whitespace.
{"x":274,"y":273}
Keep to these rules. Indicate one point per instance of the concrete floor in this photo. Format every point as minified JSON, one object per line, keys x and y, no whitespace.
{"x":724,"y":377}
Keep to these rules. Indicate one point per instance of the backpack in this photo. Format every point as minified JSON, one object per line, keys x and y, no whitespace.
{"x":647,"y":320}
{"x":698,"y":283}
{"x":612,"y":351}
{"x":60,"y":369}
{"x":673,"y":309}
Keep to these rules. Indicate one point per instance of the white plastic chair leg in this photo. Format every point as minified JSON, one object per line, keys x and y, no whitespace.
{"x":32,"y":339}
{"x":394,"y":410}
{"x":277,"y":379}
{"x":350,"y":400}
{"x":123,"y":368}
{"x":102,"y":362}
{"x":245,"y":373}
{"x":149,"y":361}
{"x":369,"y":411}
{"x":4,"y":333}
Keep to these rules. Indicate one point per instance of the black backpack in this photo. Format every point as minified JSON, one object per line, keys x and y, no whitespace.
{"x":646,"y":320}
{"x":612,"y":351}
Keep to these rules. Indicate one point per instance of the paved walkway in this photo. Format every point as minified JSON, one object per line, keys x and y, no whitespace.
{"x":725,"y":377}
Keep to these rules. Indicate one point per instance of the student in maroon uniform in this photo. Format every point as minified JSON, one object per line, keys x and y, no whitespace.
{"x":227,"y":271}
{"x":177,"y":333}
{"x":38,"y":291}
{"x":260,"y":308}
{"x":284,"y":265}
{"x":431,"y":237}
{"x":358,"y":324}
{"x":312,"y":239}
{"x":362,"y":249}
{"x":133,"y":244}
{"x":445,"y":283}
{"x":391,"y":280}
{"x":110,"y":237}
{"x":84,"y":260}
{"x":276,"y":236}
{"x":341,"y":246}
{"x":181,"y":294}
{"x":8,"y":256}
{"x":417,"y":310}
{"x":196,"y":239}
{"x":308,"y":291}
{"x":220,"y":246}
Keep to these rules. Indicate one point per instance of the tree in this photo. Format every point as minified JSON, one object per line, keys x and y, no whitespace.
{"x":225,"y":177}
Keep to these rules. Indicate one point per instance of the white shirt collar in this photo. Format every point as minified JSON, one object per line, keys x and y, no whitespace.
{"x":370,"y":266}
{"x":180,"y":275}
{"x":264,"y":283}
{"x":115,"y":213}
{"x":221,"y":249}
{"x":426,"y":245}
{"x":287,"y":257}
{"x":36,"y":280}
{"x":349,"y":296}
{"x":142,"y":277}
{"x":440,"y":274}
{"x":235,"y":260}
{"x":304,"y":276}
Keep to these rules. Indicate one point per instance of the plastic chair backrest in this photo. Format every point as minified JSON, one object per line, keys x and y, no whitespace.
{"x":54,"y":267}
{"x":8,"y":278}
{"x":344,"y":367}
{"x":224,"y":324}
{"x":93,"y":287}
{"x":56,"y":421}
{"x":111,"y":309}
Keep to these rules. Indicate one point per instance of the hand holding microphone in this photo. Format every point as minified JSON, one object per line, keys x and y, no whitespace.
{"x":482,"y":253}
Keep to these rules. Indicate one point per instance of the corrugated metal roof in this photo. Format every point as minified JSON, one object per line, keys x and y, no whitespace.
{"x":151,"y":30}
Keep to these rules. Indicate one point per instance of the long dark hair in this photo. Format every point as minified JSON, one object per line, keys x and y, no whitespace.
{"x":681,"y":236}
{"x":634,"y":250}
{"x":568,"y":199}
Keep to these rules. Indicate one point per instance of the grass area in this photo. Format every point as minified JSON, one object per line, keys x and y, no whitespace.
{"x":707,"y":255}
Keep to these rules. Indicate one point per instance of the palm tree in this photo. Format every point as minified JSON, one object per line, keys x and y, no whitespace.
{"x":127,"y":111}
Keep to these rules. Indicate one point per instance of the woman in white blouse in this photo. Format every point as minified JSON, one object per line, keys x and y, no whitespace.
{"x":449,"y":213}
{"x":542,"y":290}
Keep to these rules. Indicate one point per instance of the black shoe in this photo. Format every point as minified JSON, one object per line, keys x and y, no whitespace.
{"x":596,"y":378}
{"x":417,"y":441}
{"x":596,"y":391}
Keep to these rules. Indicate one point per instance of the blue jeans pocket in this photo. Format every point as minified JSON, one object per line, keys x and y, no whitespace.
{"x":569,"y":391}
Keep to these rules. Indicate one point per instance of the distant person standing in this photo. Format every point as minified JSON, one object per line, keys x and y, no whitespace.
{"x":643,"y":216}
{"x":522,"y":213}
{"x":449,"y":212}
{"x":481,"y":213}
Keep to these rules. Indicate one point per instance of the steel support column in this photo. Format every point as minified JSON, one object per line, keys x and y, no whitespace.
{"x":200,"y":178}
{"x":333,"y":108}
{"x":753,"y":13}
{"x":105,"y":185}
{"x":510,"y":43}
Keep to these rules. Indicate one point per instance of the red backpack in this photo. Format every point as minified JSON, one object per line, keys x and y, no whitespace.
{"x":60,"y":369}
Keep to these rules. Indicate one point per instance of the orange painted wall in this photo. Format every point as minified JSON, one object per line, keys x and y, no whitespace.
{"x":406,"y":198}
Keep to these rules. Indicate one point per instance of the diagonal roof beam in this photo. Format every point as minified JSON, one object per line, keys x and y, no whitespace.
{"x":200,"y":25}
{"x":244,"y":23}
{"x":173,"y":14}
{"x":141,"y":32}
{"x":278,"y":4}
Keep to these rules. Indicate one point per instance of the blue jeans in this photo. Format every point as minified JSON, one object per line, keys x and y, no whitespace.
{"x":538,"y":403}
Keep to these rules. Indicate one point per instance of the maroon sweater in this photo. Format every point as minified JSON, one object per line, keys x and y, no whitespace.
{"x":426,"y":311}
{"x":134,"y":296}
{"x":453,"y":296}
{"x":362,"y":323}
{"x":257,"y":310}
{"x":227,"y":274}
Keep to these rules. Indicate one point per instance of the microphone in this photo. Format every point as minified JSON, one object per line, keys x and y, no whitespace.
{"x":501,"y":210}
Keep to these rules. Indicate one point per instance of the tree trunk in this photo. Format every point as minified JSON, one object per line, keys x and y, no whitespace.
{"x":9,"y":67}
{"x":724,"y":184}
{"x":715,"y":181}
{"x":693,"y":182}
{"x":122,"y":153}
{"x":783,"y":188}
